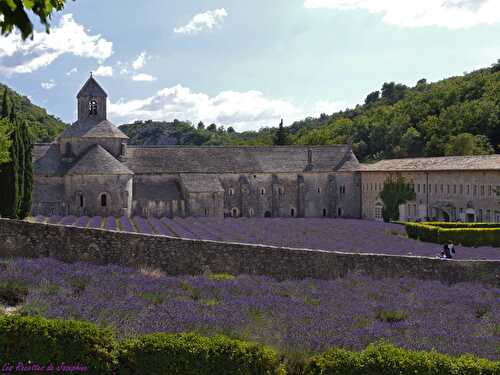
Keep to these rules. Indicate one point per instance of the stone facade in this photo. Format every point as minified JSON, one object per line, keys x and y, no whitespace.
{"x":90,"y":170}
{"x":467,"y":195}
{"x":181,"y":256}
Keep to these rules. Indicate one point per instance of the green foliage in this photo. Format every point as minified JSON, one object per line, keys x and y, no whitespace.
{"x":466,"y":234}
{"x":5,"y":142}
{"x":16,"y":173}
{"x":220,"y":277}
{"x":391,"y":316}
{"x":382,"y":358}
{"x":43,"y":341}
{"x":15,"y":14}
{"x":193,"y":354}
{"x":12,"y":293}
{"x":281,"y":136}
{"x":42,"y":127}
{"x":468,"y":144}
{"x":394,"y":193}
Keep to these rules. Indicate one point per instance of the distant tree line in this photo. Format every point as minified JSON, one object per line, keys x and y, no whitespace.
{"x":16,"y":170}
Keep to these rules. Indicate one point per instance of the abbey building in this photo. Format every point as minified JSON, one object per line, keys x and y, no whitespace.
{"x":91,"y":170}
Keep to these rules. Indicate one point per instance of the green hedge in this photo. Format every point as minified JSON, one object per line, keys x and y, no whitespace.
{"x":193,"y":354}
{"x":45,"y":342}
{"x":480,"y":234}
{"x":387,"y":359}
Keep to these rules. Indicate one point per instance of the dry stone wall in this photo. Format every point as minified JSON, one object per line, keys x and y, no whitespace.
{"x":181,"y":256}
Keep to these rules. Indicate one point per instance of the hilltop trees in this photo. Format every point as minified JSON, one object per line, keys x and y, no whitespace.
{"x":281,"y":136}
{"x":16,"y":173}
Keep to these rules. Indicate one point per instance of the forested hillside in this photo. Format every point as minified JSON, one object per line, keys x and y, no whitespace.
{"x":455,"y":116}
{"x":42,"y":126}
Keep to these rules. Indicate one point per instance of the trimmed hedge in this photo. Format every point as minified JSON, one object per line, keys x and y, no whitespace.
{"x":387,"y":359}
{"x":193,"y":354}
{"x":42,"y":341}
{"x":55,"y":342}
{"x":466,"y":234}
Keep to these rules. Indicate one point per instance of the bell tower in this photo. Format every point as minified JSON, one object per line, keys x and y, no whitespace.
{"x":91,"y":102}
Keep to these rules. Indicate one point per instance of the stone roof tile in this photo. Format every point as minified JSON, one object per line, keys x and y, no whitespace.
{"x":98,"y":161}
{"x":200,"y":183}
{"x":446,"y":163}
{"x":92,"y":129}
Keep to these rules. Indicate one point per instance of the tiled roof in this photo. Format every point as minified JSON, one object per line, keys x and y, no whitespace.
{"x":46,"y":160}
{"x":237,"y":159}
{"x":97,"y":161}
{"x":151,"y":191}
{"x":91,"y":88}
{"x":446,"y":163}
{"x":93,"y":129}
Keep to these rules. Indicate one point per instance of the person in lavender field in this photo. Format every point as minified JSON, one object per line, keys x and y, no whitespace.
{"x":446,"y":253}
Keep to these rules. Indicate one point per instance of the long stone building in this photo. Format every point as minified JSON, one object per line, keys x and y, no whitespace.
{"x":91,"y":170}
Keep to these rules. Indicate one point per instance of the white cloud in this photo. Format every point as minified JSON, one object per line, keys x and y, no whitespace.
{"x":68,"y":37}
{"x":140,"y":61}
{"x":72,"y":71}
{"x":143,"y":77}
{"x":203,"y":21}
{"x":453,"y":14}
{"x":48,"y":85}
{"x":329,"y":107}
{"x":103,"y":71}
{"x":242,"y":110}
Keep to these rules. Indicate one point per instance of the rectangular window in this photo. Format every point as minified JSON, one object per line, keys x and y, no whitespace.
{"x":441,"y":188}
{"x":448,"y":189}
{"x":475,"y":189}
{"x":489,"y":190}
{"x":424,"y":185}
{"x":418,"y":188}
{"x":454,"y":189}
{"x":482,"y":190}
{"x":461,"y":189}
{"x":436,"y":188}
{"x":468,"y":189}
{"x":430,"y":189}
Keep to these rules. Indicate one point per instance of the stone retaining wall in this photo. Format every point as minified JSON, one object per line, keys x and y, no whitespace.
{"x":181,"y":256}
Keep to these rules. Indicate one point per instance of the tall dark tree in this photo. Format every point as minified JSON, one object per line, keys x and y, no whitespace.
{"x":396,"y":191}
{"x":281,"y":136}
{"x":25,"y":206}
{"x":372,"y":97}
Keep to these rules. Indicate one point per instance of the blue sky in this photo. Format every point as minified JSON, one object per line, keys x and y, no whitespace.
{"x":246,"y":63}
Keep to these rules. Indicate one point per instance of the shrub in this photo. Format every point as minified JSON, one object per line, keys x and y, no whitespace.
{"x":193,"y":354}
{"x":12,"y":293}
{"x":44,"y":341}
{"x":383,"y":358}
{"x":467,"y":234}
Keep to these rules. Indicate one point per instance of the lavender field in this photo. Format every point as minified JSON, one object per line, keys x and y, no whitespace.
{"x":304,"y":317}
{"x":348,"y":235}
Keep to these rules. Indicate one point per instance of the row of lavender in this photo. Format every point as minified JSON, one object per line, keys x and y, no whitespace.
{"x":346,"y":235}
{"x":294,"y":316}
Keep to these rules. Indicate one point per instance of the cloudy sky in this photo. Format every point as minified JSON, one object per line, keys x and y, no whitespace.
{"x":246,"y":63}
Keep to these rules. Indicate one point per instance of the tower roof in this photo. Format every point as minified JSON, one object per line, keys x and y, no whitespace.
{"x":91,"y":88}
{"x":97,"y":161}
{"x":93,"y":129}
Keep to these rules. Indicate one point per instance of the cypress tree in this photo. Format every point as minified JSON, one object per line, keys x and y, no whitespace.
{"x":5,"y":104}
{"x":281,"y":136}
{"x":25,"y":207}
{"x":9,"y":181}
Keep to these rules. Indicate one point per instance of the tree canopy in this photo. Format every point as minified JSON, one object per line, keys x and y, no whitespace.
{"x":15,"y":14}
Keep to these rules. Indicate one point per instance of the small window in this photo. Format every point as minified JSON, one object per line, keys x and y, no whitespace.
{"x":418,"y":188}
{"x":92,"y":107}
{"x":262,"y":191}
{"x":324,"y":212}
{"x":319,"y":190}
{"x":234,"y":212}
{"x":231,"y":192}
{"x":104,"y":200}
{"x":461,"y":189}
{"x":206,"y":211}
{"x":482,"y":190}
{"x":454,"y":189}
{"x":251,"y":212}
{"x":81,"y":200}
{"x":475,"y":189}
{"x":339,"y":212}
{"x":292,"y":212}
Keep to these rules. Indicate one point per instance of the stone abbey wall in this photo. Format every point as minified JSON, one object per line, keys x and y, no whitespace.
{"x":180,"y":256}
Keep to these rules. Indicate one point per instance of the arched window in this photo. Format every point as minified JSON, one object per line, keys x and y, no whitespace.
{"x":81,"y":200}
{"x":231,"y":192}
{"x":234,"y":212}
{"x":93,"y":107}
{"x":319,"y":190}
{"x":262,"y":191}
{"x":206,"y":211}
{"x":324,"y":212}
{"x":104,"y":200}
{"x":292,"y":212}
{"x":250,"y":212}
